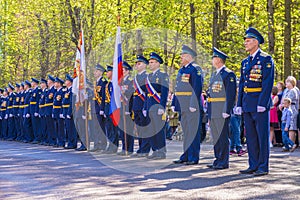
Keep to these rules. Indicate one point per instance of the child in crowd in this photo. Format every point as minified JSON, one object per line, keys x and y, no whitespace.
{"x":286,"y":120}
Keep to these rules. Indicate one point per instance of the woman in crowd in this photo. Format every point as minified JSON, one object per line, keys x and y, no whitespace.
{"x":273,"y":116}
{"x":291,"y":92}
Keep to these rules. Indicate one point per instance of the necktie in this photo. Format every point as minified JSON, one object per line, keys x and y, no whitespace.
{"x":251,"y":58}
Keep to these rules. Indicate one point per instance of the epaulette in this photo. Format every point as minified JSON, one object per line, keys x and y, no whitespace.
{"x":64,"y":89}
{"x":195,"y":65}
{"x":103,"y":79}
{"x":130,"y":78}
{"x":264,"y":54}
{"x":228,"y":70}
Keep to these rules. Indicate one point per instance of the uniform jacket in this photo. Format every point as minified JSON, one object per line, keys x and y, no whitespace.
{"x":138,"y":101}
{"x":34,"y":100}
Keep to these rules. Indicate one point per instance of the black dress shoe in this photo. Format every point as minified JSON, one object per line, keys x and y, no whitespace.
{"x":159,"y":157}
{"x":67,"y":147}
{"x":191,"y":163}
{"x":247,"y":171}
{"x":178,"y":161}
{"x":220,"y":167}
{"x":260,"y":173}
{"x":81,"y":149}
{"x":210,"y":166}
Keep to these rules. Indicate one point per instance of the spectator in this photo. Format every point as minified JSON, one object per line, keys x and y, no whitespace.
{"x":298,"y":121}
{"x":287,"y":114}
{"x":273,"y":116}
{"x":278,"y":135}
{"x":292,"y":93}
{"x":204,"y":117}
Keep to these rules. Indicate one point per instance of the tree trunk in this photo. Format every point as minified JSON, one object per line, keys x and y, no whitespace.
{"x":193,"y":26}
{"x":215,"y":24}
{"x":271,"y":35}
{"x":139,"y":42}
{"x":287,"y":39}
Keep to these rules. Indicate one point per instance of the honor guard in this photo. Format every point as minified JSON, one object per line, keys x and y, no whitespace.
{"x":157,"y":84}
{"x":28,"y":134}
{"x":126,"y":125}
{"x":48,"y":110}
{"x":68,"y":115}
{"x":57,"y":114}
{"x":11,"y":131}
{"x":221,"y":98}
{"x":21,"y":111}
{"x":1,"y":111}
{"x":16,"y":111}
{"x":34,"y":110}
{"x":4,"y":117}
{"x":139,"y":97}
{"x":99,"y":135}
{"x":111,"y":129}
{"x":254,"y":100}
{"x":42,"y":111}
{"x":187,"y":101}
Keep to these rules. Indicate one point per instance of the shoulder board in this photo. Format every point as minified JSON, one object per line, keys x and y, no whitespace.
{"x":65,"y":89}
{"x":195,"y":65}
{"x":264,"y":54}
{"x":130,"y":78}
{"x":103,"y":79}
{"x":227,"y":70}
{"x":245,"y":59}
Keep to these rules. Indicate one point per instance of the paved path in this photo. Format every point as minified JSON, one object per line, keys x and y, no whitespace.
{"x":38,"y":172}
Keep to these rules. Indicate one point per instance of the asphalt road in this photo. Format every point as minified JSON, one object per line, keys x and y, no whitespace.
{"x":30,"y":171}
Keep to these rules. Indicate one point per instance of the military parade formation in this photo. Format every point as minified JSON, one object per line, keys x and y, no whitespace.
{"x":46,"y":111}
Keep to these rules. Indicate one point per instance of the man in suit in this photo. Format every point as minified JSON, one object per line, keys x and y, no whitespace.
{"x":254,"y":100}
{"x":157,"y":84}
{"x":187,"y":101}
{"x":221,"y":98}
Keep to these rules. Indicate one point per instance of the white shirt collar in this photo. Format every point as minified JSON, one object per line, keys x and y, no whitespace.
{"x":254,"y":54}
{"x":99,"y":79}
{"x":218,"y":70}
{"x":188,"y":64}
{"x":155,"y":71}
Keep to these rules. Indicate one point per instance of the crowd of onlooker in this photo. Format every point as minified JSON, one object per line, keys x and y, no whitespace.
{"x":284,"y":120}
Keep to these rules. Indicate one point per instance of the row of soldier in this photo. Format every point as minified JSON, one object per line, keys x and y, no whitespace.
{"x":144,"y":99}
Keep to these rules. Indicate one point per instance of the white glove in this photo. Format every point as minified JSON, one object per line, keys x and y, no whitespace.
{"x":192,"y":109}
{"x":6,"y":116}
{"x":11,"y":115}
{"x":68,"y":117}
{"x":145,"y":113}
{"x":261,"y":109}
{"x":18,"y":115}
{"x":225,"y":115}
{"x":104,"y":115}
{"x":238,"y":110}
{"x":160,"y":111}
{"x":36,"y":114}
{"x":173,"y":108}
{"x":61,"y":116}
{"x":127,"y":113}
{"x":83,"y":117}
{"x":0,"y":118}
{"x":101,"y":112}
{"x":52,"y":115}
{"x":27,"y":115}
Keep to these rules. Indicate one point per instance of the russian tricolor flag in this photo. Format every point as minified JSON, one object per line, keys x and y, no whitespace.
{"x":115,"y":105}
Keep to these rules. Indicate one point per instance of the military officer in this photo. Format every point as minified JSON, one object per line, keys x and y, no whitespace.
{"x":21,"y":111}
{"x":16,"y":107}
{"x":34,"y":110}
{"x":139,"y":97}
{"x":57,"y":114}
{"x":11,"y":131}
{"x":1,"y":111}
{"x":27,"y":124}
{"x":187,"y":101}
{"x":126,"y":125}
{"x":67,"y":112}
{"x":3,"y":114}
{"x":157,"y":84}
{"x":111,"y":129}
{"x":254,"y":100}
{"x":221,"y":98}
{"x":48,"y":110}
{"x":42,"y":113}
{"x":99,"y":136}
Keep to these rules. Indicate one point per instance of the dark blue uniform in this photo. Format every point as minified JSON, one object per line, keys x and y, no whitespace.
{"x":126,"y":126}
{"x":111,"y":130}
{"x":18,"y":116}
{"x":69,"y":122}
{"x":141,"y":122}
{"x":3,"y":108}
{"x":256,"y":82}
{"x":59,"y":129}
{"x":100,"y":141}
{"x":34,"y":113}
{"x":11,"y":131}
{"x":28,"y":133}
{"x":221,"y":98}
{"x":188,"y":91}
{"x":42,"y":113}
{"x":21,"y":114}
{"x":157,"y":92}
{"x":48,"y":115}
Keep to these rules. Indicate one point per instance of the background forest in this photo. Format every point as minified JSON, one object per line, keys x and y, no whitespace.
{"x":38,"y":37}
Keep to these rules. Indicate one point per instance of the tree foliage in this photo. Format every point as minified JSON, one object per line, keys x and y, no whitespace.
{"x":40,"y":37}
